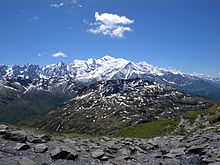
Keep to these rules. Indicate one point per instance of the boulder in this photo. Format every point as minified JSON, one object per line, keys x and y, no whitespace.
{"x":64,"y":153}
{"x":98,"y":154}
{"x":26,"y":161}
{"x":22,"y":146}
{"x":178,"y":151}
{"x":16,"y":136}
{"x":40,"y":148}
{"x":196,"y":149}
{"x":3,"y":128}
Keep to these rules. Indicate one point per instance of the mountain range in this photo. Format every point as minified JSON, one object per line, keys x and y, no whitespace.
{"x":30,"y":90}
{"x":105,"y":107}
{"x":109,"y":68}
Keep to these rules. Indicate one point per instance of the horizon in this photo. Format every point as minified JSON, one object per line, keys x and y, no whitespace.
{"x":182,"y":35}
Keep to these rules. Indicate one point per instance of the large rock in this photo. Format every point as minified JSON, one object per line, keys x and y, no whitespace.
{"x":3,"y":129}
{"x":178,"y":151}
{"x":64,"y":153}
{"x":22,"y":146}
{"x":16,"y":136}
{"x":44,"y":138}
{"x":196,"y":149}
{"x":40,"y":148}
{"x":26,"y":161}
{"x":98,"y":154}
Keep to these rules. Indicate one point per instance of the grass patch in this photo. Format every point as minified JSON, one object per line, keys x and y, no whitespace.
{"x":192,"y":116}
{"x":214,"y":119}
{"x":166,"y":127}
{"x":149,"y":130}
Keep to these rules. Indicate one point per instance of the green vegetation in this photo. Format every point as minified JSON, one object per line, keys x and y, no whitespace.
{"x":166,"y":127}
{"x":28,"y":106}
{"x":149,"y":130}
{"x":212,"y":111}
{"x":214,"y":119}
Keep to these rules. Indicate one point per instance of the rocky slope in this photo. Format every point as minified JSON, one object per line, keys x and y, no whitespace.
{"x":21,"y":98}
{"x":107,"y":106}
{"x":109,"y":68}
{"x":202,"y":147}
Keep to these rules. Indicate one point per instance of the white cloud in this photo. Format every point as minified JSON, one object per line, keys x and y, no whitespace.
{"x":57,"y":5}
{"x":59,"y":54}
{"x":219,"y":73}
{"x":34,"y":18}
{"x":75,"y":3}
{"x":110,"y":24}
{"x":42,"y":54}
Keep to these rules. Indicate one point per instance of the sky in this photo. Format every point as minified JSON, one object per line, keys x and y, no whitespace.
{"x":180,"y":34}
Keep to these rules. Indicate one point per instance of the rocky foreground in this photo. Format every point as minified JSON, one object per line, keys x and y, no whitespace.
{"x":25,"y":147}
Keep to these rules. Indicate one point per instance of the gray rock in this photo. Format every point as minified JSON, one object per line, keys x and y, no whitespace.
{"x":178,"y":151}
{"x":196,"y":142}
{"x":64,"y":153}
{"x":216,"y":163}
{"x":196,"y":149}
{"x":98,"y":154}
{"x":169,"y":162}
{"x":26,"y":161}
{"x":3,"y":128}
{"x":124,"y":151}
{"x":153,"y":143}
{"x":16,"y":136}
{"x":22,"y":146}
{"x":169,"y":155}
{"x":40,"y":148}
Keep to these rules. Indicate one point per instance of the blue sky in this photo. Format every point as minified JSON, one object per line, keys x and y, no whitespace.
{"x":182,"y":34}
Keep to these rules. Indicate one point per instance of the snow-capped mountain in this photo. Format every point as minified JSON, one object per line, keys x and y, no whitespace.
{"x":109,"y":68}
{"x":105,"y":68}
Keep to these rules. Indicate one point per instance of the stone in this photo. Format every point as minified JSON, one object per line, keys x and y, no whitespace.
{"x":16,"y":136}
{"x":124,"y":151}
{"x":3,"y":128}
{"x":208,"y":160}
{"x":196,"y":149}
{"x":169,"y":155}
{"x":40,"y":148}
{"x":98,"y":154}
{"x":26,"y":161}
{"x":153,"y":143}
{"x":64,"y":153}
{"x":196,"y":142}
{"x":169,"y":162}
{"x":104,"y":158}
{"x":22,"y":146}
{"x":215,"y":163}
{"x":178,"y":151}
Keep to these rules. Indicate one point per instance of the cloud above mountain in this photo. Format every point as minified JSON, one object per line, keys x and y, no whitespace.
{"x":59,"y":54}
{"x":57,"y":5}
{"x":112,"y":25}
{"x":72,"y":3}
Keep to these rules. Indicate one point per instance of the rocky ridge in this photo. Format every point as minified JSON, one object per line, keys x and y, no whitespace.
{"x":22,"y":147}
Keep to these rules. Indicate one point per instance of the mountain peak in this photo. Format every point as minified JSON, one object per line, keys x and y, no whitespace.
{"x":106,"y":58}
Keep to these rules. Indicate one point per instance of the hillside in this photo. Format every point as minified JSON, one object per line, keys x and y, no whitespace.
{"x":105,"y":107}
{"x":184,"y":125}
{"x":22,"y":98}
